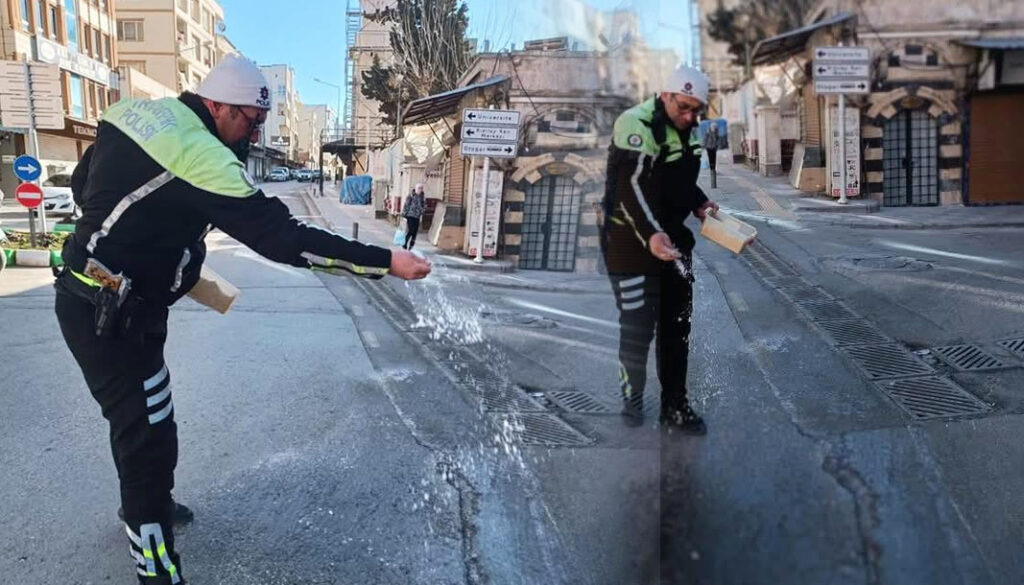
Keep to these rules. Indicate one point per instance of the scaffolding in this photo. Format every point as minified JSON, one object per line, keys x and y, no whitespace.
{"x":353,"y":22}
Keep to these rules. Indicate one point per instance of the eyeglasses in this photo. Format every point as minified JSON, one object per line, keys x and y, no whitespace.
{"x":685,"y":108}
{"x":255,"y":122}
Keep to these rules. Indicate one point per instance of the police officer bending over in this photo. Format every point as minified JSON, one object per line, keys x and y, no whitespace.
{"x":160,"y":176}
{"x":651,"y":189}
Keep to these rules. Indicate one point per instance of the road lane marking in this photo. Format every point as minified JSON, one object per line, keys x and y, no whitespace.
{"x":559,"y":312}
{"x":935,"y":252}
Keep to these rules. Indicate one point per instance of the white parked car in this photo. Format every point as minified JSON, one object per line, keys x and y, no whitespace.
{"x":57,"y":197}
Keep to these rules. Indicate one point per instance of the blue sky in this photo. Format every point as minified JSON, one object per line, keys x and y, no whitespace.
{"x":309,"y":35}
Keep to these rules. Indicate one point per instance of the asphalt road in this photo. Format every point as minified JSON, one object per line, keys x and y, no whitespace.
{"x":341,"y":431}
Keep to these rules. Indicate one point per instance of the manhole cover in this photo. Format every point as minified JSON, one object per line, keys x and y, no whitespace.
{"x":967,"y":357}
{"x":853,"y":332}
{"x":933,"y":397}
{"x":886,"y":361}
{"x":1014,"y":345}
{"x":895,"y":263}
{"x":826,"y":310}
{"x":540,"y":429}
{"x":787,"y":282}
{"x":809,"y":293}
{"x":578,"y":402}
{"x":519,"y":319}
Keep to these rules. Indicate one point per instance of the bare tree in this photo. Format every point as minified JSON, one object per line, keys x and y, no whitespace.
{"x":428,"y":40}
{"x":754,"y":20}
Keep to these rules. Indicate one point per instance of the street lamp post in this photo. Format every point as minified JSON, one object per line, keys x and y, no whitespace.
{"x":337,"y":113}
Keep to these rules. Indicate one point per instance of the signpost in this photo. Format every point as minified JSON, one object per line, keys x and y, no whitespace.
{"x":30,"y":196}
{"x":27,"y":168}
{"x":489,"y":133}
{"x":839,"y":71}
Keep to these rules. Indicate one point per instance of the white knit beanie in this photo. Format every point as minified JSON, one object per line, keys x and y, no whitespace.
{"x":689,"y":81}
{"x":236,"y":81}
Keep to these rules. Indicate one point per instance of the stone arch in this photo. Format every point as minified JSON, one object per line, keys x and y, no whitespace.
{"x":883,"y":106}
{"x":588,"y":113}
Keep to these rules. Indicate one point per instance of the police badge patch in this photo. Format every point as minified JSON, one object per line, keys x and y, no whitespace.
{"x":635,"y":140}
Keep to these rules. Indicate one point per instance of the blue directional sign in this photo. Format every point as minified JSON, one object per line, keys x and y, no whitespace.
{"x":27,"y":168}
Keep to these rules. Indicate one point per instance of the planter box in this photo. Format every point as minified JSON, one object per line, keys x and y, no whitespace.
{"x":40,"y":258}
{"x":36,"y":258}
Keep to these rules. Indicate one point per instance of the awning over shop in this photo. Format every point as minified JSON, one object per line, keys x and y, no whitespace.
{"x":998,"y":43}
{"x":782,"y":47}
{"x":443,"y":104}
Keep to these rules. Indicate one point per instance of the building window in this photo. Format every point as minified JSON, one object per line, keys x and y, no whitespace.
{"x":139,"y":66}
{"x":205,"y":21}
{"x":77,"y":94}
{"x":128,"y":30}
{"x":196,"y":80}
{"x":195,"y":10}
{"x":281,"y":91}
{"x":71,"y":23}
{"x":106,"y":50}
{"x":97,"y":43}
{"x":207,"y":57}
{"x":86,"y":39}
{"x":90,"y":89}
{"x":25,"y":15}
{"x":183,"y":4}
{"x":40,"y":23}
{"x":197,"y":47}
{"x":54,"y":23}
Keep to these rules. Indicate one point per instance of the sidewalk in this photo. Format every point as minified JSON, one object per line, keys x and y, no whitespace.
{"x":746,"y":190}
{"x":342,"y":218}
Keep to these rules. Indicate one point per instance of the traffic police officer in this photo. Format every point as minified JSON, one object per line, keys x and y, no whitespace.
{"x":159,"y":177}
{"x":651,"y":188}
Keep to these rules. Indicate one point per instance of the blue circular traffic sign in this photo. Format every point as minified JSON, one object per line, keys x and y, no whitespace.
{"x":27,"y":168}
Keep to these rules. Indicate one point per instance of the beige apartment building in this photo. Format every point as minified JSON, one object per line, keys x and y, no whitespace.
{"x":315,"y":121}
{"x":367,"y":129}
{"x":79,"y":37}
{"x":174,"y":42}
{"x":281,"y":131}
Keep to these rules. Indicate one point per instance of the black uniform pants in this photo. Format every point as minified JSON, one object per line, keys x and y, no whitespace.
{"x":654,"y":305}
{"x":412,"y":226}
{"x":127,"y":376}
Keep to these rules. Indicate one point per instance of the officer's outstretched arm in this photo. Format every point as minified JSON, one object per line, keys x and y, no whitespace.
{"x":265,"y":225}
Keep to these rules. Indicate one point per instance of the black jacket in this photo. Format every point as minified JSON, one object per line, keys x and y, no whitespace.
{"x":651,"y":186}
{"x":157,"y":241}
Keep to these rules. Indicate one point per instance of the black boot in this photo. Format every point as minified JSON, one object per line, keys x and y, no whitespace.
{"x":182,"y":514}
{"x":633,"y":412}
{"x":683,"y":419}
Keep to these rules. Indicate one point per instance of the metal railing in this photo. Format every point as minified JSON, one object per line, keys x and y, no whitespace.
{"x":361,"y":137}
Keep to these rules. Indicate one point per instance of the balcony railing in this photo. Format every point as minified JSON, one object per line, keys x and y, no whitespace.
{"x":359,"y":138}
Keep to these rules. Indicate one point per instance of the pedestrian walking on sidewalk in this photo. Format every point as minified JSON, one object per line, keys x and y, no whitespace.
{"x":712,"y":142}
{"x":160,"y":175}
{"x":415,"y":206}
{"x":651,"y":188}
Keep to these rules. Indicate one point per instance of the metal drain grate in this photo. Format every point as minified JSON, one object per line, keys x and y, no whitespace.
{"x":801,"y":295}
{"x":887,"y":361}
{"x":540,"y":429}
{"x":783,"y":268}
{"x":787,"y":282}
{"x":852,"y":332}
{"x":1014,"y":345}
{"x":933,"y":397}
{"x":508,"y":400}
{"x":826,"y":310}
{"x":578,"y":402}
{"x":967,"y":357}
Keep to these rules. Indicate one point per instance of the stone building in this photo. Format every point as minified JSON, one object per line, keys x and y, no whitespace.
{"x":944,"y":76}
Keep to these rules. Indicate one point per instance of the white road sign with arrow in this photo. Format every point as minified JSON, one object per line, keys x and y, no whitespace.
{"x":492,"y":149}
